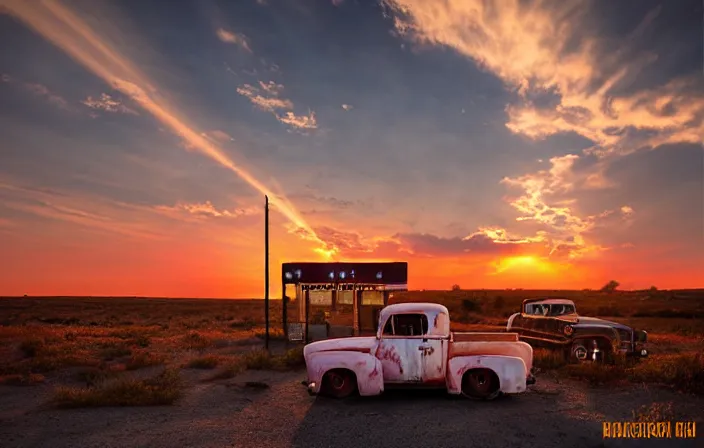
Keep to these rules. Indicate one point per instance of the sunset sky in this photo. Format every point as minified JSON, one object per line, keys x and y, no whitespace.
{"x":492,"y":144}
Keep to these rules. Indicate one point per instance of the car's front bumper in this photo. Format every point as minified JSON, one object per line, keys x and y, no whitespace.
{"x":310,"y":387}
{"x":530,"y":380}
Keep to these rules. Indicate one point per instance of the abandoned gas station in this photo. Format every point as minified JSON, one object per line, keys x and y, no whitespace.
{"x":327,"y":300}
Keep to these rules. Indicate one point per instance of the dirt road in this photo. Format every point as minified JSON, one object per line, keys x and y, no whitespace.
{"x":554,"y":413}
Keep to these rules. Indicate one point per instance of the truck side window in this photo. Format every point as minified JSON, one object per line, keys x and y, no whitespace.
{"x":406,"y":325}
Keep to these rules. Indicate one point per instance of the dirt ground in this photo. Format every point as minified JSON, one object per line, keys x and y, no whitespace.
{"x":228,"y":413}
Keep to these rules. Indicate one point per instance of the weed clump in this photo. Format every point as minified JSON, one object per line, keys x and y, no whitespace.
{"x":162,"y":389}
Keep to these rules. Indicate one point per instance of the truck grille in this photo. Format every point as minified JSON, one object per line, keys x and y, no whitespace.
{"x":626,"y":339}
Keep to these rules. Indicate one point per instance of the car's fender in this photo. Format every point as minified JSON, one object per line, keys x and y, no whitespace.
{"x":367,"y":369}
{"x":511,"y":371}
{"x":510,"y":321}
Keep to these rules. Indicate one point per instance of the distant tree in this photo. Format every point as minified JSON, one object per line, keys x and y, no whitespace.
{"x":456,"y":287}
{"x":653,"y":289}
{"x":499,"y":302}
{"x":471,"y":306}
{"x":610,"y":287}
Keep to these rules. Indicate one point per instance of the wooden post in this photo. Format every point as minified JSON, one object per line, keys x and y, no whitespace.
{"x":266,"y":271}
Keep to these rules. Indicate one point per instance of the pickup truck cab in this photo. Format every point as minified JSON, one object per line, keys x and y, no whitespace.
{"x":414,"y":347}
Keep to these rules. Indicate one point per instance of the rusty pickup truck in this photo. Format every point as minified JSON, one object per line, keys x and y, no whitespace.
{"x":414,"y":347}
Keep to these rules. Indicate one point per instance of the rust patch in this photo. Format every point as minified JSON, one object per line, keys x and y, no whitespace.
{"x":374,"y":372}
{"x":389,"y":354}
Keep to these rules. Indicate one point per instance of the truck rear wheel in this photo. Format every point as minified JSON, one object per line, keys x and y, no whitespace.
{"x":339,"y":383}
{"x":480,"y":384}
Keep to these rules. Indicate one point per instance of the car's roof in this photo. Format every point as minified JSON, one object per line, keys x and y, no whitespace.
{"x":551,"y":302}
{"x":415,"y":307}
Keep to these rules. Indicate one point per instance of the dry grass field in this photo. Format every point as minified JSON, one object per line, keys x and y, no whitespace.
{"x":71,"y":352}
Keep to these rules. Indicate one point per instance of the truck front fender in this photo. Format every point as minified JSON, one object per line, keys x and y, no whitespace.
{"x":510,"y":321}
{"x":511,"y":371}
{"x":367,"y":369}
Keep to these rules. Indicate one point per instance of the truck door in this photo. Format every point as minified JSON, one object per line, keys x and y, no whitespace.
{"x":434,"y":356}
{"x":400,"y":348}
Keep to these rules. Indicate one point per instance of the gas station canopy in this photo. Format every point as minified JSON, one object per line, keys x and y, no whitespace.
{"x":392,"y":274}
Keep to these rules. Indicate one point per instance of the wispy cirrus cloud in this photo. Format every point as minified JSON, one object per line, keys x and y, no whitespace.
{"x":62,"y":27}
{"x":39,"y":90}
{"x":208,"y":210}
{"x":234,"y":38}
{"x":106,"y":103}
{"x":267,"y":97}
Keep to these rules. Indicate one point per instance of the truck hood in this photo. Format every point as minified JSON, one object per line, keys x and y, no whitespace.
{"x":364,"y":344}
{"x":586,"y":321}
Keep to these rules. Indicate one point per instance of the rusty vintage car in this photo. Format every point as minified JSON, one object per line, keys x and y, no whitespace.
{"x":414,"y":347}
{"x":554,"y":323}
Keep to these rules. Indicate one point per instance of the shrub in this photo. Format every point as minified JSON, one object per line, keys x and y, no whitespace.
{"x":195,"y":340}
{"x":142,"y":359}
{"x":31,"y":347}
{"x":684,"y":371}
{"x":111,"y":353}
{"x":22,"y":380}
{"x":204,"y":362}
{"x":548,"y":359}
{"x":162,"y":389}
{"x":471,"y":306}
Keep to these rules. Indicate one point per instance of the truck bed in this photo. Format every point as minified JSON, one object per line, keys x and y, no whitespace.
{"x":484,"y":336}
{"x":506,"y":344}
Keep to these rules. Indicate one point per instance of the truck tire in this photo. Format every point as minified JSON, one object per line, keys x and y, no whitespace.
{"x":339,"y":383}
{"x":480,"y":384}
{"x":579,"y":351}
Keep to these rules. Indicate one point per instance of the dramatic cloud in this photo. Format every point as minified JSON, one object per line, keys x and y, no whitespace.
{"x":560,"y":225}
{"x":568,"y":80}
{"x":67,"y":31}
{"x":39,"y":90}
{"x":531,"y":46}
{"x":267,"y":97}
{"x":207,"y":209}
{"x":107,"y":103}
{"x":232,"y":38}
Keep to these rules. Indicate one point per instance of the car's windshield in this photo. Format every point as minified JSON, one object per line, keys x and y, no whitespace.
{"x":544,"y":309}
{"x":559,"y":310}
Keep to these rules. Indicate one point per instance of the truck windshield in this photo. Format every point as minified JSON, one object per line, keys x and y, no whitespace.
{"x":406,"y":325}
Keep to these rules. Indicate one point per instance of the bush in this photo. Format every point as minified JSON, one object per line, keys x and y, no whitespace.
{"x":684,"y":372}
{"x":548,"y":359}
{"x":22,"y":380}
{"x":204,"y":362}
{"x":471,"y":306}
{"x":31,"y":347}
{"x":163,"y":389}
{"x":142,"y":359}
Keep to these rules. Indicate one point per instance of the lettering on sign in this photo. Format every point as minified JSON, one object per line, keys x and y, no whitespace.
{"x":295,"y":332}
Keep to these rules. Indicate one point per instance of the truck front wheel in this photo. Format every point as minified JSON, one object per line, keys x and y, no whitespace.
{"x":480,"y":384}
{"x":339,"y":383}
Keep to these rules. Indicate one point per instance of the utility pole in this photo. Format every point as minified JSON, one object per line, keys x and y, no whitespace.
{"x":266,"y":271}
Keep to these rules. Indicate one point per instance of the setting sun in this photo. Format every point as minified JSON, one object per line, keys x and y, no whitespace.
{"x":524,"y":264}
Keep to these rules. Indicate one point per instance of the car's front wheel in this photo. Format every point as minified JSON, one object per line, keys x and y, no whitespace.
{"x":339,"y":383}
{"x":579,"y":351}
